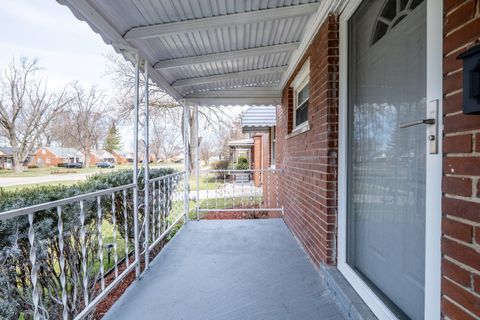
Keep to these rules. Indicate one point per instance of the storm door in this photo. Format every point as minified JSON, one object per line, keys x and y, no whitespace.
{"x":386,"y":159}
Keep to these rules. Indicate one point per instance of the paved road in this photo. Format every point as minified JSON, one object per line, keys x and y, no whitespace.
{"x":17,"y":181}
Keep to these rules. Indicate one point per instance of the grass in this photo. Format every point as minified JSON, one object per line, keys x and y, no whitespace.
{"x":34,"y":185}
{"x":211,"y":184}
{"x":39,"y":172}
{"x":107,"y":238}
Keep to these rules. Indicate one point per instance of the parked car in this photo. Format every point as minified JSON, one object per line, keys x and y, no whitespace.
{"x":105,"y":164}
{"x":77,"y":165}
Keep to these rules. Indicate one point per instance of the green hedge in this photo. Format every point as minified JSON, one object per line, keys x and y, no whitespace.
{"x":21,"y":198}
{"x":15,"y":269}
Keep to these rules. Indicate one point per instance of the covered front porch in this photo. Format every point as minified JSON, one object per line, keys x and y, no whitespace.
{"x":229,"y":269}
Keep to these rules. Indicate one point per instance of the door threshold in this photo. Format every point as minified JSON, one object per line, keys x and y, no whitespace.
{"x":346,"y":297}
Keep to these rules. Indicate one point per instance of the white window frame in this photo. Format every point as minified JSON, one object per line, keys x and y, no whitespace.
{"x":273,"y":139}
{"x":298,"y":84}
{"x":434,"y":169}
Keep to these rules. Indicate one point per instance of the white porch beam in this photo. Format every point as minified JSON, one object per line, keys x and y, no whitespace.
{"x":240,"y":96}
{"x":222,"y":56}
{"x":233,"y":101}
{"x":157,"y":30}
{"x":227,"y":76}
{"x":250,"y":92}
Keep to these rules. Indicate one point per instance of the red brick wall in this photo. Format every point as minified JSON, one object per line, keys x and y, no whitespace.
{"x":41,"y":158}
{"x":461,"y":169}
{"x":309,"y":160}
{"x":270,"y":186}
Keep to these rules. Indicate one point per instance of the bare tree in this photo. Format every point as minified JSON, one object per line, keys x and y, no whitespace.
{"x":87,"y":119}
{"x":165,"y":141}
{"x":26,"y":107}
{"x":162,"y":105}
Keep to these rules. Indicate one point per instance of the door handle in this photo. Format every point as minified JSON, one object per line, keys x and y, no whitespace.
{"x":416,"y":122}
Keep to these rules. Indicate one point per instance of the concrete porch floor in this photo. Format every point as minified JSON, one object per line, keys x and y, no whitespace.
{"x":229,"y":269}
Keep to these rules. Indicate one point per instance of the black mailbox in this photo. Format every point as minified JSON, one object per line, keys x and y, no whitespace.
{"x":471,"y":80}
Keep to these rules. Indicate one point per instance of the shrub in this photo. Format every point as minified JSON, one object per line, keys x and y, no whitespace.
{"x":242,"y":163}
{"x":15,"y":267}
{"x":220,"y":165}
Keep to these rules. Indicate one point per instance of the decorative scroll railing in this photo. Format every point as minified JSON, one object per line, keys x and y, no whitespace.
{"x":237,"y":191}
{"x":66,"y":256}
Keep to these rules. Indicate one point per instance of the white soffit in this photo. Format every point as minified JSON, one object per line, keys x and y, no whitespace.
{"x":209,"y":46}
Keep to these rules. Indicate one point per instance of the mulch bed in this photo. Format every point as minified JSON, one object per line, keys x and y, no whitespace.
{"x":103,"y":307}
{"x":236,"y":215}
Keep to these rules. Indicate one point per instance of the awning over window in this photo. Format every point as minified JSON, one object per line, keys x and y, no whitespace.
{"x":259,"y":119}
{"x":242,"y":143}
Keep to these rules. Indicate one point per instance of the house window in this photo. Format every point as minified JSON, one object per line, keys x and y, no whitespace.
{"x":301,"y":92}
{"x":301,"y":105}
{"x":47,"y":160}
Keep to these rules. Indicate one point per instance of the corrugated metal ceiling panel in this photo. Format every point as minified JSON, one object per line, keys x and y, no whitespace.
{"x":127,"y":14}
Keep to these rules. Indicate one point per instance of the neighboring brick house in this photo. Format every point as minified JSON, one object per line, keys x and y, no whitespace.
{"x":97,"y":156}
{"x":120,"y":157}
{"x":241,"y":148}
{"x":6,"y":158}
{"x":55,"y":156}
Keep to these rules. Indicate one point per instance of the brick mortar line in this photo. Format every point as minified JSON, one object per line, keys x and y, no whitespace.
{"x":462,"y":155}
{"x":451,"y":114}
{"x":460,"y":133}
{"x":451,"y":93}
{"x":452,"y":10}
{"x":473,"y":246}
{"x":462,"y":265}
{"x":453,"y":175}
{"x":465,"y":24}
{"x":469,"y":199}
{"x":453,"y":72}
{"x":458,"y":50}
{"x":469,"y":289}
{"x":463,"y":220}
{"x":459,"y":306}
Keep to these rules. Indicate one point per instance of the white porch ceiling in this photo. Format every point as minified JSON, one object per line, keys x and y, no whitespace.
{"x":214,"y":52}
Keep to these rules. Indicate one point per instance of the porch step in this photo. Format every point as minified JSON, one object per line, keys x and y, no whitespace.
{"x":244,"y":178}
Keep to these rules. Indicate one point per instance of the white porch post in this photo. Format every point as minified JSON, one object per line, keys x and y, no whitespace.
{"x":186,"y":196}
{"x":197,"y":161}
{"x":135,"y":167}
{"x":146,"y":166}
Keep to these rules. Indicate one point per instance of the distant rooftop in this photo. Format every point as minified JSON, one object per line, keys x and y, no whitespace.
{"x":241,"y":142}
{"x":64,"y":152}
{"x":6,"y":150}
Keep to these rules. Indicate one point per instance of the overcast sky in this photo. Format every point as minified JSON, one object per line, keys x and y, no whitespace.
{"x":67,"y":49}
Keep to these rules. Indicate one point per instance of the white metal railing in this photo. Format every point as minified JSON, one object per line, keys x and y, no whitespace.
{"x":237,"y":191}
{"x":167,"y":198}
{"x":57,"y":251}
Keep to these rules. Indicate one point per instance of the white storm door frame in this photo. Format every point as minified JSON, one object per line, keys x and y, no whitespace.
{"x":434,"y":168}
